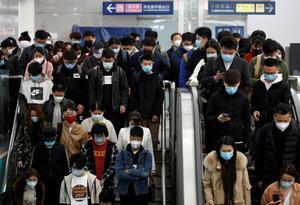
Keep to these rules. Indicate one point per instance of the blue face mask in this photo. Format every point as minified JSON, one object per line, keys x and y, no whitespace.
{"x":42,"y":45}
{"x":49,"y":144}
{"x":198,"y":43}
{"x":2,"y":62}
{"x":286,"y":184}
{"x":97,"y":117}
{"x":226,"y":155}
{"x":231,"y":90}
{"x":77,"y":172}
{"x":270,"y":77}
{"x":35,"y":78}
{"x":99,"y":139}
{"x":34,"y":119}
{"x":227,"y":58}
{"x":147,"y":68}
{"x":108,"y":65}
{"x":70,"y":66}
{"x":131,"y":126}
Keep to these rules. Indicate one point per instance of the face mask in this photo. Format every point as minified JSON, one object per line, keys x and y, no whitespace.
{"x":147,"y":68}
{"x":177,"y":43}
{"x":270,"y":77}
{"x":49,"y":42}
{"x":70,"y":118}
{"x":78,"y":56}
{"x":10,"y":51}
{"x":31,"y":184}
{"x":231,"y":90}
{"x":24,"y":44}
{"x":88,"y":43}
{"x":42,"y":45}
{"x":77,"y":172}
{"x":59,"y":54}
{"x":97,"y":55}
{"x":211,"y":55}
{"x":136,"y":144}
{"x":116,"y":50}
{"x":49,"y":144}
{"x":267,"y":57}
{"x":286,"y":184}
{"x":226,"y":155}
{"x":39,"y":60}
{"x":227,"y":58}
{"x":282,"y":125}
{"x":99,"y":139}
{"x":73,"y":42}
{"x":2,"y":62}
{"x":188,"y":48}
{"x":58,"y":99}
{"x":35,"y":78}
{"x":279,"y":56}
{"x":131,"y":126}
{"x":70,"y":66}
{"x":108,"y":66}
{"x":97,"y":117}
{"x":198,"y":43}
{"x":256,"y":51}
{"x":34,"y":119}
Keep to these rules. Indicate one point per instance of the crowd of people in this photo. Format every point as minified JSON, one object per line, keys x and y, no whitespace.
{"x":90,"y":112}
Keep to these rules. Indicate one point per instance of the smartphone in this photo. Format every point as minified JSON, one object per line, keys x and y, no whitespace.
{"x":275,"y":197}
{"x":225,"y":115}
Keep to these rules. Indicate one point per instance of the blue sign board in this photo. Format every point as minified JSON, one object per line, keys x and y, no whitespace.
{"x":231,"y":29}
{"x":138,"y":8}
{"x":241,"y":7}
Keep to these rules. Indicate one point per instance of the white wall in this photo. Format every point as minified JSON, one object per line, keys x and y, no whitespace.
{"x":282,"y":27}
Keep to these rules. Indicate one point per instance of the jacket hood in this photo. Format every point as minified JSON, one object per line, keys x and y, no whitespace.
{"x":211,"y":161}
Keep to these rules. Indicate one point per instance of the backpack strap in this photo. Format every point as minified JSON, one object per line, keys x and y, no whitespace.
{"x":257,"y":66}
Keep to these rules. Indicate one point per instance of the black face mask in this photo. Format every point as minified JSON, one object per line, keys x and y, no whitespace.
{"x":88,"y":44}
{"x":256,"y":51}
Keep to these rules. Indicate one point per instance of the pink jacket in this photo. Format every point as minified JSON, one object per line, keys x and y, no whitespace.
{"x":47,"y":69}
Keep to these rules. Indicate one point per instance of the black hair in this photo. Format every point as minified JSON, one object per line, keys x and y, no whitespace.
{"x":127,"y":41}
{"x":236,"y":35}
{"x":282,"y":50}
{"x":146,"y":56}
{"x":76,"y":47}
{"x":70,"y":55}
{"x":229,"y":42}
{"x":228,"y":169}
{"x":39,"y":50}
{"x":134,"y":34}
{"x":258,"y":41}
{"x":49,"y":47}
{"x":113,"y":40}
{"x":148,"y":42}
{"x":222,"y":35}
{"x":151,"y":34}
{"x":232,"y":77}
{"x":269,"y":46}
{"x":58,"y":87}
{"x":258,"y":33}
{"x":175,"y":34}
{"x":88,"y":33}
{"x":58,"y":45}
{"x":204,"y":32}
{"x":244,"y":43}
{"x":99,"y":128}
{"x":24,"y":36}
{"x":35,"y":68}
{"x":97,"y":106}
{"x":288,"y":169}
{"x":49,"y":132}
{"x":69,"y":105}
{"x":282,"y":109}
{"x":137,"y":132}
{"x":41,"y":34}
{"x":270,"y":62}
{"x":75,"y":35}
{"x":187,"y":36}
{"x":79,"y":160}
{"x":212,"y":44}
{"x":108,"y":53}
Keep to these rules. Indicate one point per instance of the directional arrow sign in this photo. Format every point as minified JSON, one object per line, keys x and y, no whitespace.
{"x":241,"y":7}
{"x":110,"y":8}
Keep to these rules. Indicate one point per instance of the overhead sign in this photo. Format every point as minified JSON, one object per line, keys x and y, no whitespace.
{"x":138,"y":8}
{"x":241,"y":7}
{"x":231,"y":29}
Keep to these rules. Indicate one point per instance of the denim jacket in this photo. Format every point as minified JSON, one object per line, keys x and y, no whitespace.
{"x":139,"y":176}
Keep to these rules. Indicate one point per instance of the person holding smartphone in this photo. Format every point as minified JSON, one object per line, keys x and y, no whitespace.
{"x":285,"y":191}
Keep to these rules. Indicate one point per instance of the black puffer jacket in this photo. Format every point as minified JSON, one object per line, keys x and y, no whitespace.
{"x":266,"y":164}
{"x":265,"y":101}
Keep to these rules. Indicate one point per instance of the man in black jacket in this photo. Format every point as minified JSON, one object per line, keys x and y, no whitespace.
{"x":70,"y":75}
{"x":148,"y":96}
{"x":229,"y":113}
{"x":50,"y":160}
{"x":214,"y":72}
{"x":277,"y":145}
{"x":93,"y":60}
{"x":108,"y":85}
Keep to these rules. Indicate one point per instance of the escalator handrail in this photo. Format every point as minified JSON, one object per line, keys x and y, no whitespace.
{"x":198,"y":145}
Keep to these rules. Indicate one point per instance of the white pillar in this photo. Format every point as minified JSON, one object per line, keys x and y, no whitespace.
{"x":180,"y":7}
{"x":26,"y":16}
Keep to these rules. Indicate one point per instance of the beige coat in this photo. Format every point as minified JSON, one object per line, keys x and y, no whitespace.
{"x":213,"y":185}
{"x":275,"y":189}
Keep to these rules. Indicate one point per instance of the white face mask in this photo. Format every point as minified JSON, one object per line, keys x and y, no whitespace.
{"x":211,"y":55}
{"x":58,"y":99}
{"x":282,"y":125}
{"x":39,"y":60}
{"x":10,"y":51}
{"x":177,"y":43}
{"x":24,"y":44}
{"x":116,"y":50}
{"x":188,"y":48}
{"x":136,"y":144}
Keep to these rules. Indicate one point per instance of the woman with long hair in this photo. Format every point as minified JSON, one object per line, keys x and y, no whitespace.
{"x":225,"y":179}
